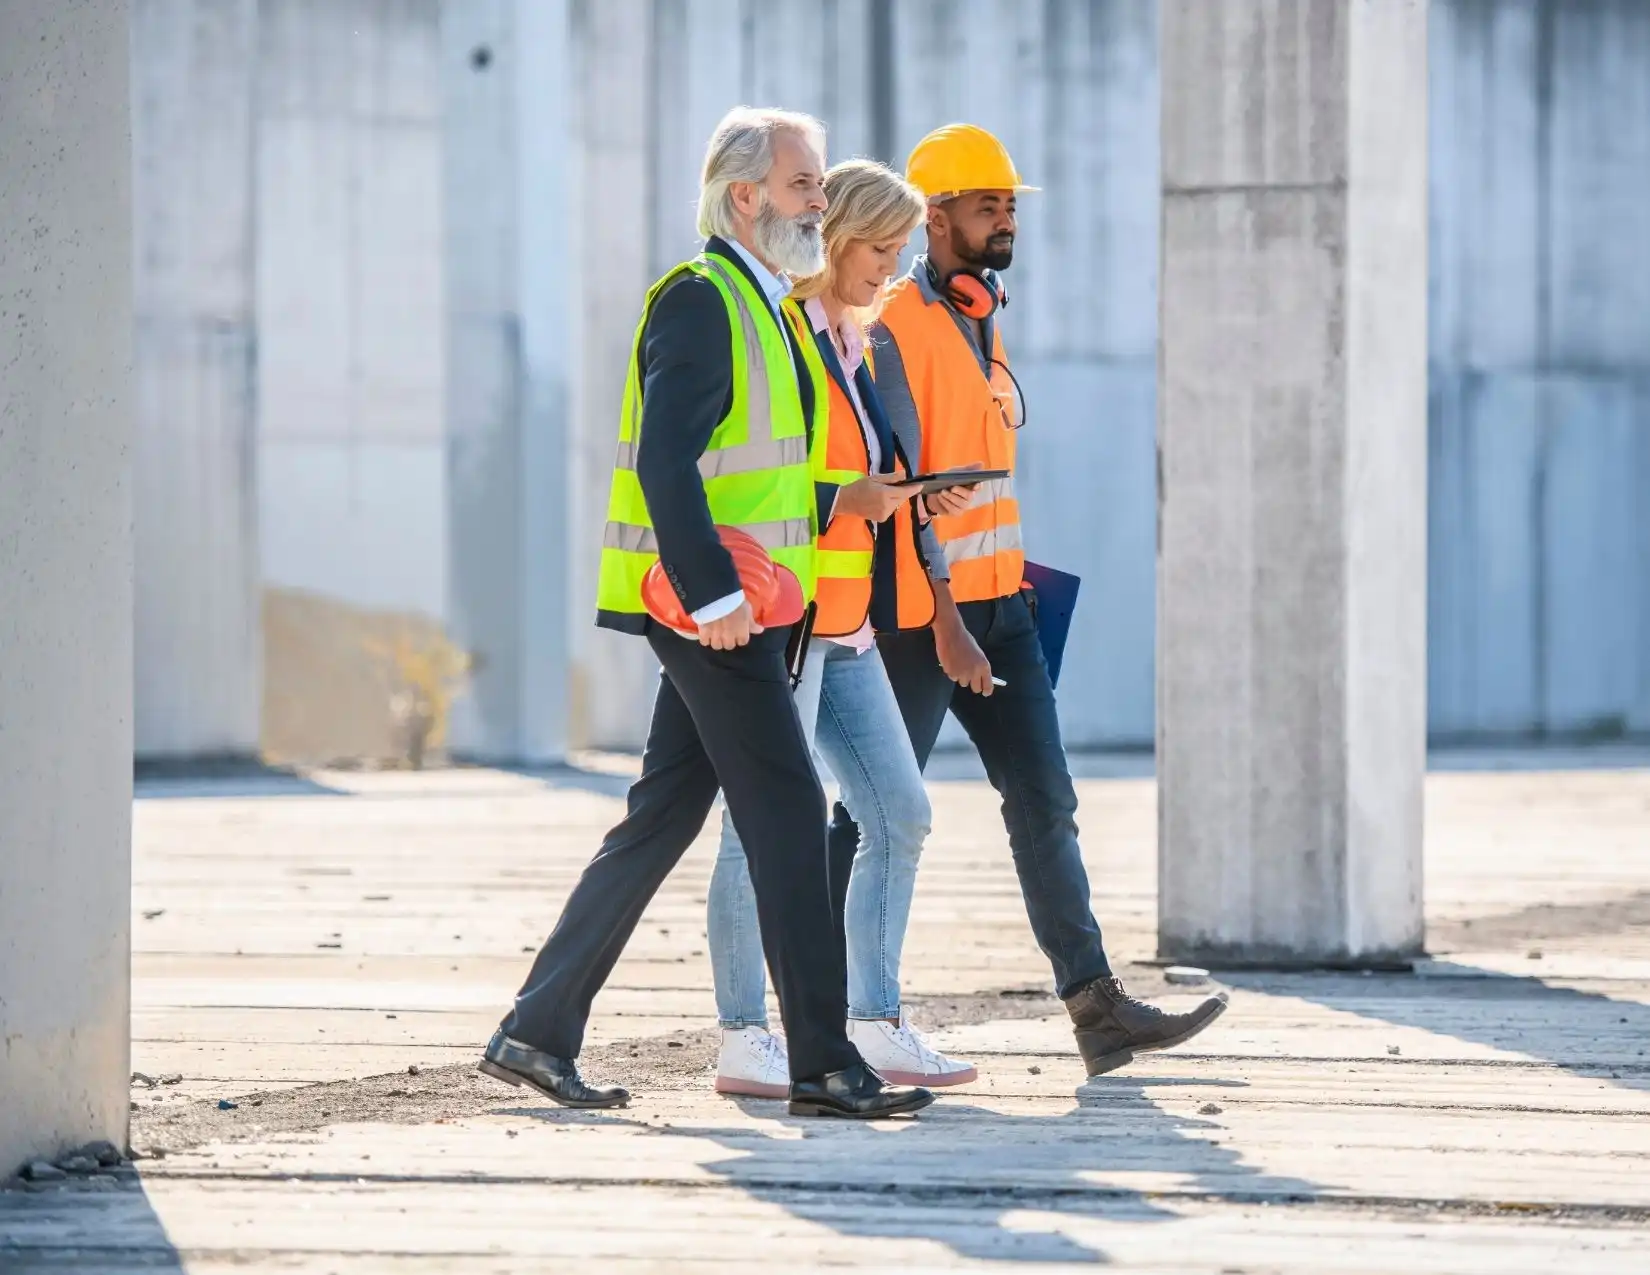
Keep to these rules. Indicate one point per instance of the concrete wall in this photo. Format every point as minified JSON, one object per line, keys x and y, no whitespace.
{"x":1072,"y":87}
{"x":1539,"y":546}
{"x":65,"y":575}
{"x":1540,"y":406}
{"x":512,"y":185}
{"x":653,"y":80}
{"x":1075,"y":98}
{"x":1540,"y":377}
{"x":351,"y":429}
{"x":618,"y":75}
{"x":199,"y":681}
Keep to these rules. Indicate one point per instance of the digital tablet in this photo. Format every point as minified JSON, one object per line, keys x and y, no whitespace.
{"x":941,"y":479}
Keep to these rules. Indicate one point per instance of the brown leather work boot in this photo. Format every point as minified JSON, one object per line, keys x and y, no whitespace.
{"x":1112,"y":1026}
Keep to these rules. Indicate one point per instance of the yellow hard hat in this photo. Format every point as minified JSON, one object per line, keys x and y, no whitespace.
{"x":959,"y":157}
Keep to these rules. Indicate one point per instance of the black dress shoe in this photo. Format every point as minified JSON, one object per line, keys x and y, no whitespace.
{"x":856,"y":1093}
{"x":1112,"y":1026}
{"x":557,"y":1079}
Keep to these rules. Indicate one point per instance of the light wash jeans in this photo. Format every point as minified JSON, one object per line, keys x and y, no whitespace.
{"x":861,"y":738}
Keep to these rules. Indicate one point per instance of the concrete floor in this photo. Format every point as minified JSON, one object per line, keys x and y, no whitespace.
{"x":1489,"y":1113}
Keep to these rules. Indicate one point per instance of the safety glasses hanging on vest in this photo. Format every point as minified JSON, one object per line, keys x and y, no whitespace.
{"x":978,"y":295}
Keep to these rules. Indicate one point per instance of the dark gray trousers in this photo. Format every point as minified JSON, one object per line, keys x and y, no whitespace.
{"x":721,"y":720}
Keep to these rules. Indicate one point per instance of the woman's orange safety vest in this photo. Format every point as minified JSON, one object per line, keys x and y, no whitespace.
{"x":847,"y":547}
{"x":966,"y":419}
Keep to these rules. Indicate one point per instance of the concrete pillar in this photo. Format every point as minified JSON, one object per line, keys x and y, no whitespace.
{"x":513,"y":276}
{"x":619,"y":199}
{"x":65,"y":575}
{"x":199,"y":646}
{"x":1292,"y":488}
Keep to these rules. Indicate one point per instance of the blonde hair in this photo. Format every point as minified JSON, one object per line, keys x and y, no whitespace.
{"x":741,"y":150}
{"x":869,"y":202}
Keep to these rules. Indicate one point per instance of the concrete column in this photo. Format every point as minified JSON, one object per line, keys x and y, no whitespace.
{"x":618,"y":200}
{"x":65,"y":575}
{"x":199,"y":646}
{"x":1292,"y":436}
{"x":513,"y":277}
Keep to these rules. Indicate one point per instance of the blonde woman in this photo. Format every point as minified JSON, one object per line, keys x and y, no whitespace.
{"x":869,"y":525}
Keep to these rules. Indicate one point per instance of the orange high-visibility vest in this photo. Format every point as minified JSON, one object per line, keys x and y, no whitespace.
{"x":847,"y":546}
{"x":966,"y":419}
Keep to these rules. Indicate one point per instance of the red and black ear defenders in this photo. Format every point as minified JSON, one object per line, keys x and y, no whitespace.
{"x":977,"y":295}
{"x":974,"y":294}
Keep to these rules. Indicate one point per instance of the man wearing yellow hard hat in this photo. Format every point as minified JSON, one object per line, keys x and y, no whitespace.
{"x":944,"y":377}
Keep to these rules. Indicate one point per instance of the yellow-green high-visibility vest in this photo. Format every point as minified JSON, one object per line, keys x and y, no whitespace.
{"x":758,"y":469}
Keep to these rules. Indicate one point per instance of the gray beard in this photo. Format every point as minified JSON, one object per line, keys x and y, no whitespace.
{"x":792,"y":244}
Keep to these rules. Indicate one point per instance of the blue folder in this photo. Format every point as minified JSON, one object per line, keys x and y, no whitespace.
{"x":1056,"y":600}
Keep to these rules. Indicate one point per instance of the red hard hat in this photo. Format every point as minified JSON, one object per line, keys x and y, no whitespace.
{"x":773,"y":591}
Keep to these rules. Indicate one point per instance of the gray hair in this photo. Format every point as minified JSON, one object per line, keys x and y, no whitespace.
{"x":741,"y":150}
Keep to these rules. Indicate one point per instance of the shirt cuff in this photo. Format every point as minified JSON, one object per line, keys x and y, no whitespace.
{"x":719,"y":609}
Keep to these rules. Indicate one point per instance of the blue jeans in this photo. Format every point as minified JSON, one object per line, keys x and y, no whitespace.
{"x":1017,"y":733}
{"x":863,"y":742}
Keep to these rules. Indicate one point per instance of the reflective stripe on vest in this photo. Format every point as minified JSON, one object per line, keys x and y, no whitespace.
{"x":741,"y":458}
{"x":965,"y":407}
{"x":998,"y":537}
{"x":757,"y":468}
{"x":846,"y":564}
{"x":982,"y":544}
{"x":788,"y":534}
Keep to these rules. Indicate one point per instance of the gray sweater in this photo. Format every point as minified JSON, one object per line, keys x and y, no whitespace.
{"x":894,"y":388}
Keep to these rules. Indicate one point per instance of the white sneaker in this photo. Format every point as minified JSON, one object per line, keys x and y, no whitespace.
{"x":753,"y":1062}
{"x":902,"y":1055}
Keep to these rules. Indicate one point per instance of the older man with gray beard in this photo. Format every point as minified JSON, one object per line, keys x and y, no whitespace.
{"x":716,"y":428}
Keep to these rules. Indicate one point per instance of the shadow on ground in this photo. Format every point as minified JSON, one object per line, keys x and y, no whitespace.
{"x":577,"y":778}
{"x":1556,"y":755}
{"x":101,"y":1225}
{"x":253,"y":779}
{"x":961,"y":762}
{"x":1583,"y":1032}
{"x":228,"y":777}
{"x":986,"y":1184}
{"x":1576,"y":1029}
